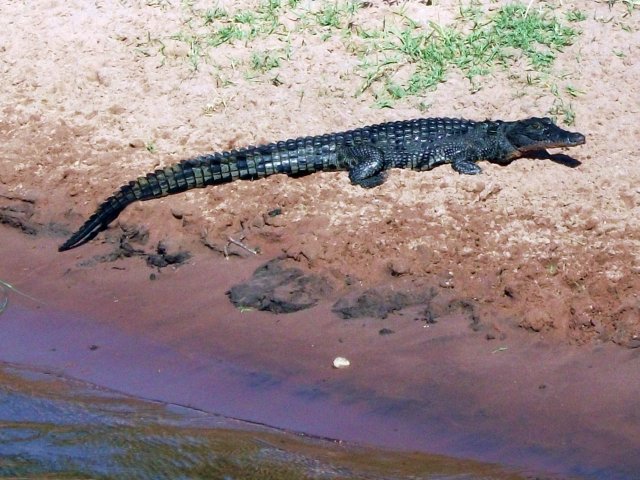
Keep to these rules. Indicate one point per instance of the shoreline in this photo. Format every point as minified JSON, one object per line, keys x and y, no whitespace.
{"x":438,"y":388}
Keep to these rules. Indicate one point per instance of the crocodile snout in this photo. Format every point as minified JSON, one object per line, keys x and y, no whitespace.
{"x":576,"y":139}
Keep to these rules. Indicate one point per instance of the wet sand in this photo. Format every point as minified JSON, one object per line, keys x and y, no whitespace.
{"x":432,"y":387}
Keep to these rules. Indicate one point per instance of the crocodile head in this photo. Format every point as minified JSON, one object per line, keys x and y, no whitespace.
{"x":539,"y":134}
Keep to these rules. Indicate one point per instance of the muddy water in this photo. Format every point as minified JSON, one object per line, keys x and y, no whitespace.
{"x":155,"y":371}
{"x":57,"y":427}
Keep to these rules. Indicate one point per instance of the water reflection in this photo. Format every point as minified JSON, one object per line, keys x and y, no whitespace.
{"x":53,"y":425}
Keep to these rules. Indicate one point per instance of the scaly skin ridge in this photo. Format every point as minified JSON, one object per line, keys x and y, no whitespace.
{"x":366,"y":153}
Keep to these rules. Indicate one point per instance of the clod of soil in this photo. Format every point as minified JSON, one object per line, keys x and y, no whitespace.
{"x":276,"y":288}
{"x":379,"y":302}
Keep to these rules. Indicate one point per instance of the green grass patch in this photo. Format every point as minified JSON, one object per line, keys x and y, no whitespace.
{"x":476,"y":44}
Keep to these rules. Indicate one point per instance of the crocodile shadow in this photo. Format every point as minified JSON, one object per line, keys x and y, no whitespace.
{"x":560,"y":158}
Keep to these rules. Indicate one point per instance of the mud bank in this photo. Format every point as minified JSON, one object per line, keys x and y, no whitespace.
{"x":438,"y":383}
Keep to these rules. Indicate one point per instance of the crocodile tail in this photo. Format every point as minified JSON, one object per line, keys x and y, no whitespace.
{"x":173,"y":179}
{"x":104,"y":215}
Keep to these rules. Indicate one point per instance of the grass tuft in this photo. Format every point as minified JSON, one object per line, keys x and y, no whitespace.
{"x":476,"y":44}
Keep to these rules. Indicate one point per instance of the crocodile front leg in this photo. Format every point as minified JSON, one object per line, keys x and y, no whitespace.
{"x":366,"y":165}
{"x":461,"y":158}
{"x":466,"y":167}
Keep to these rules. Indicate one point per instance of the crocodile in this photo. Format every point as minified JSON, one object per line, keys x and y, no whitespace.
{"x":366,"y":153}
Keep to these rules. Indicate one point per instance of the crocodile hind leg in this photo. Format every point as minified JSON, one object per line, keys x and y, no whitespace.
{"x":366,"y":165}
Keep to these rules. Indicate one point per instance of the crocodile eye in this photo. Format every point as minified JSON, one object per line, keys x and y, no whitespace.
{"x":536,"y":126}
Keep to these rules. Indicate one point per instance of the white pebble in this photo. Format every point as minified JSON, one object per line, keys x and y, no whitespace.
{"x":341,"y":362}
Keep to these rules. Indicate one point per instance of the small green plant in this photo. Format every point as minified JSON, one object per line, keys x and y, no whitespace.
{"x":573,"y":91}
{"x":265,"y":61}
{"x":213,"y":14}
{"x":195,"y":47}
{"x":561,"y":108}
{"x":225,"y":34}
{"x":424,"y":107}
{"x":246,"y":17}
{"x":329,"y":16}
{"x":383,"y":101}
{"x":575,"y":15}
{"x":630,"y":4}
{"x":396,"y":91}
{"x":471,"y":12}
